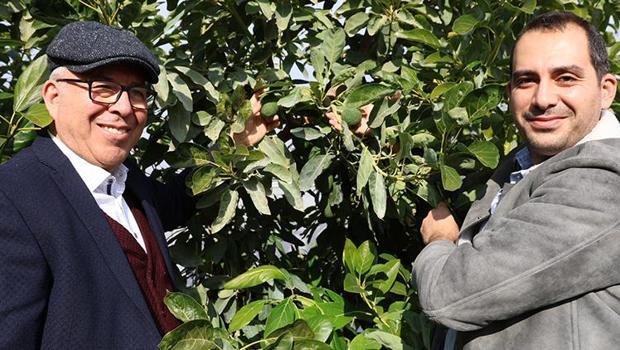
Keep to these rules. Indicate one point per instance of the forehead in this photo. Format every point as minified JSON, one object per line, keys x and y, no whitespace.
{"x":540,"y":49}
{"x":120,"y":73}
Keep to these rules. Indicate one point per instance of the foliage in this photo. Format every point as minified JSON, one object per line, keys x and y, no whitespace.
{"x":292,"y":314}
{"x":278,"y":215}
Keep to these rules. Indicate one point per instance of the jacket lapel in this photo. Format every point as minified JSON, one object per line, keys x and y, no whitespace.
{"x":85,"y":207}
{"x":480,"y":209}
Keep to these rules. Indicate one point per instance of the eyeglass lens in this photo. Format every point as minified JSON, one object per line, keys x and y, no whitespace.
{"x":109,"y":92}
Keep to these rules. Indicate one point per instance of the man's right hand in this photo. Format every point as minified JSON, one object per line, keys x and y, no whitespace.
{"x":439,"y":224}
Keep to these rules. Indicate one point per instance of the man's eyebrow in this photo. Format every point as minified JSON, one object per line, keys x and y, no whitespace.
{"x":522,"y":72}
{"x":573,"y":68}
{"x":108,"y":78}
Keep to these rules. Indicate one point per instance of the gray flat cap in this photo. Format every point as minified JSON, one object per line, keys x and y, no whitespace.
{"x":83,"y":46}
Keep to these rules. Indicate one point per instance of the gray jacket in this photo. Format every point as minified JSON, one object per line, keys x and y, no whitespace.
{"x":544,"y":273}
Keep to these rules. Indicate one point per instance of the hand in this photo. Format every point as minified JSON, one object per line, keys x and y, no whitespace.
{"x":361,"y":129}
{"x":256,"y":127}
{"x":439,"y":224}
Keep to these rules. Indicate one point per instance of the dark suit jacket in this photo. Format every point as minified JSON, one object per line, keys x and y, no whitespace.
{"x":65,"y":282}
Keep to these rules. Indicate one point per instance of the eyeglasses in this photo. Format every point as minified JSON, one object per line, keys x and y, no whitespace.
{"x":108,"y":92}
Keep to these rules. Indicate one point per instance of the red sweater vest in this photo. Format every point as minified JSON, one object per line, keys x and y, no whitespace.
{"x":149,"y":269}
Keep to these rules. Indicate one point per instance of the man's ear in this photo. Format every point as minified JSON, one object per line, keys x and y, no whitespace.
{"x":51,"y":97}
{"x":609,"y":86}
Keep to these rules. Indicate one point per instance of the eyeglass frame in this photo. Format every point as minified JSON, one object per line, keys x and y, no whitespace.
{"x":124,"y":88}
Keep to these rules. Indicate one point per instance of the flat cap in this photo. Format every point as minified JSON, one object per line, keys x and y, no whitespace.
{"x":83,"y":46}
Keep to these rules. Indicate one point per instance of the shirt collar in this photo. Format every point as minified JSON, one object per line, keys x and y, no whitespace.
{"x":607,"y":127}
{"x":97,"y":179}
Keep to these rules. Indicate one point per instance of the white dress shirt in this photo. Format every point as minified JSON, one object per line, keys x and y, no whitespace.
{"x":107,"y":189}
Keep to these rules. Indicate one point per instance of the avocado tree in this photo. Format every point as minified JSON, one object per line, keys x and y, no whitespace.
{"x":306,"y":239}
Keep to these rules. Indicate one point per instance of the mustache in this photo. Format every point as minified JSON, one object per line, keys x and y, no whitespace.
{"x":537,"y":112}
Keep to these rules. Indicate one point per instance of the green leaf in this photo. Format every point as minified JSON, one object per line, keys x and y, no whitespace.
{"x":267,"y":7}
{"x":333,"y":44}
{"x":375,"y":24}
{"x":355,"y":23}
{"x":202,"y":339}
{"x":318,"y":63}
{"x":321,"y":327}
{"x":214,"y":129}
{"x":228,"y":207}
{"x":421,"y":36}
{"x":283,"y":342}
{"x":199,"y":79}
{"x":297,"y":95}
{"x":202,"y":179}
{"x":351,"y":284}
{"x":486,"y":152}
{"x":348,"y":255}
{"x":162,"y":87}
{"x":364,"y":169}
{"x":450,"y":179}
{"x":179,"y":120}
{"x":245,"y":315}
{"x":391,"y":268}
{"x":312,"y":169}
{"x":428,"y":193}
{"x":378,"y":194}
{"x":254,"y":277}
{"x":275,"y":150}
{"x":256,"y":190}
{"x":298,"y":330}
{"x":184,"y":307}
{"x":307,"y":133}
{"x":284,"y":11}
{"x":365,"y":257}
{"x":188,"y":155}
{"x":464,"y":24}
{"x":28,"y":86}
{"x":196,"y":331}
{"x":202,"y":118}
{"x":386,"y":339}
{"x":529,"y":6}
{"x":281,"y":315}
{"x":280,"y":172}
{"x":441,"y":89}
{"x":459,"y":114}
{"x":38,"y":115}
{"x":292,"y":194}
{"x":310,"y":344}
{"x":360,"y":342}
{"x":365,"y":94}
{"x":422,"y":139}
{"x":181,"y":91}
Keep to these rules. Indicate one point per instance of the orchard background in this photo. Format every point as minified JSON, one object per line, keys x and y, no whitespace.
{"x":306,"y":240}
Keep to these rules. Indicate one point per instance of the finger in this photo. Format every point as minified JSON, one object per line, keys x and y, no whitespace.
{"x":272,"y":125}
{"x":255,"y":102}
{"x":334,"y":123}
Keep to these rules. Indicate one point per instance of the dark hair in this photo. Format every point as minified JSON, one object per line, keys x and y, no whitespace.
{"x":556,"y":20}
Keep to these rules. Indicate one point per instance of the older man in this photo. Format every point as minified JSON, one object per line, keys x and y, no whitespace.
{"x":83,"y":258}
{"x":536,"y":264}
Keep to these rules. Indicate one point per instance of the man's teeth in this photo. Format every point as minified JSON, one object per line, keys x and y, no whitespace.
{"x":113,"y":130}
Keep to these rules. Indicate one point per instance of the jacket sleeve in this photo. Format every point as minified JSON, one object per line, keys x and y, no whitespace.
{"x":24,"y":282}
{"x":562,"y":242}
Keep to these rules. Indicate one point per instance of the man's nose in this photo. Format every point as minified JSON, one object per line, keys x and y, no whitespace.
{"x":123,"y":105}
{"x":546,"y":95}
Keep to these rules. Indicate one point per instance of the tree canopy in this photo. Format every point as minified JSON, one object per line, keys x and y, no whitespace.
{"x":306,"y":240}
